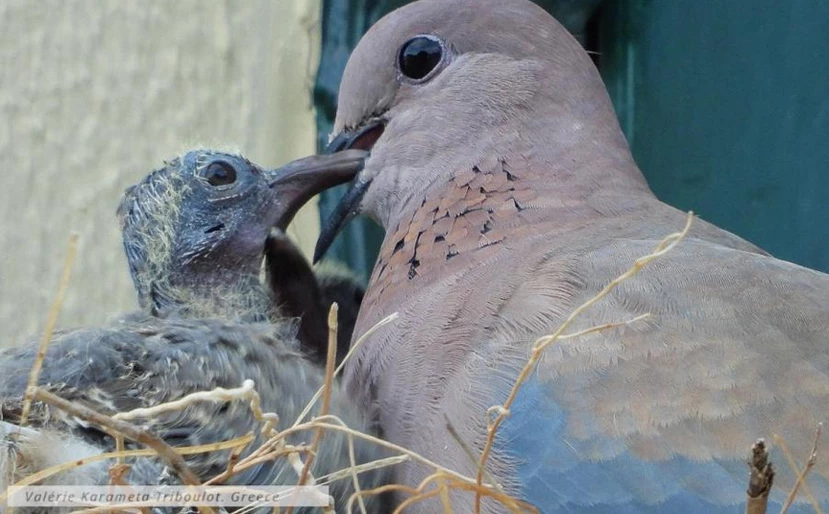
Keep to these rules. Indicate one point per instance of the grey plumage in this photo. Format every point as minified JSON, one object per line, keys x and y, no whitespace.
{"x":143,"y":362}
{"x":195,"y":251}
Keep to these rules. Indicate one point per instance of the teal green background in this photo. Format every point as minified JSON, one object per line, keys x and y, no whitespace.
{"x":725,"y":105}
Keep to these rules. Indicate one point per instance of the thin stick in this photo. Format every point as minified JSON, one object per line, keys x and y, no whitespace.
{"x":118,"y":469}
{"x":355,"y":480}
{"x":183,"y":450}
{"x":361,"y":468}
{"x":219,"y":394}
{"x":801,"y":477}
{"x":51,"y":321}
{"x":246,"y":392}
{"x":506,"y":500}
{"x":233,"y":460}
{"x":119,"y":447}
{"x":321,"y":421}
{"x":666,"y":245}
{"x":408,"y":502}
{"x":467,"y":450}
{"x":419,"y":494}
{"x":360,"y":435}
{"x":268,"y":450}
{"x":787,"y":453}
{"x":444,"y":497}
{"x":606,"y":326}
{"x":274,"y":444}
{"x":388,"y":319}
{"x":511,"y":503}
{"x":326,"y":391}
{"x":286,"y":451}
{"x":164,"y":451}
{"x":380,"y":490}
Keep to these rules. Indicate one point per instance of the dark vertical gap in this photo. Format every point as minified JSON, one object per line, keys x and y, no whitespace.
{"x":343,"y":23}
{"x":613,"y":33}
{"x":591,"y":37}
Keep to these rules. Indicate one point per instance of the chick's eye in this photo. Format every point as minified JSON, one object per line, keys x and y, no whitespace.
{"x":419,"y":56}
{"x":219,"y":173}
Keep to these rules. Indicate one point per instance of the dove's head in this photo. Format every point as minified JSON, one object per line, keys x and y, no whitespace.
{"x":202,"y":221}
{"x":438,"y":86}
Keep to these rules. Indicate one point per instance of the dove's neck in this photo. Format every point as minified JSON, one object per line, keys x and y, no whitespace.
{"x":550,"y":180}
{"x":230,"y":294}
{"x":483,"y":209}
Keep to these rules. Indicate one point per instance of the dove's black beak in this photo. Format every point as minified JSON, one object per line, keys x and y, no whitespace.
{"x":300,"y":180}
{"x":362,"y":138}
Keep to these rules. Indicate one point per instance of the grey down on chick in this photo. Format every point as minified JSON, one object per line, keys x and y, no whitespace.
{"x":196,"y":233}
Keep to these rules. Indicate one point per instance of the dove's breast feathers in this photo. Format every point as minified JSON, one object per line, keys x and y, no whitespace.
{"x":736,"y":346}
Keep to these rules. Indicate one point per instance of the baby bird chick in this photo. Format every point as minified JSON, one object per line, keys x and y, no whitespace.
{"x":195,"y":234}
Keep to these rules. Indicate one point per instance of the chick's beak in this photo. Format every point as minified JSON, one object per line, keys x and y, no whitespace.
{"x":362,"y":138}
{"x":300,"y":180}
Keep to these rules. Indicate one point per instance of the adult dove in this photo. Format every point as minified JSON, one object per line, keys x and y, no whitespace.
{"x":509,"y":197}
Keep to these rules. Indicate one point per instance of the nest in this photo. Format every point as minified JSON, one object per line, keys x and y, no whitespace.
{"x":439,"y":484}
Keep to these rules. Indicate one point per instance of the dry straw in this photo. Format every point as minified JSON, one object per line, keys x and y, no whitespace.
{"x":438,"y":485}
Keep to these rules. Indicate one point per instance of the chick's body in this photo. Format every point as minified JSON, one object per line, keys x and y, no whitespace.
{"x":195,"y":234}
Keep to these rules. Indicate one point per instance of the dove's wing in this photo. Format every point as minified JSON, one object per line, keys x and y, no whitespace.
{"x":659,"y":416}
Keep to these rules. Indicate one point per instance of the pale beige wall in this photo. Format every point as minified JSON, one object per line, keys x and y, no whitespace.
{"x":96,"y":93}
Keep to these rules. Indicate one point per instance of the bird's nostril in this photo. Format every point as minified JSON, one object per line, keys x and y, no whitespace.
{"x":218,"y":227}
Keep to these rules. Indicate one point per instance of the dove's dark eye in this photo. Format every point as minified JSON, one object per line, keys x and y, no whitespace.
{"x":419,"y":56}
{"x":219,"y":173}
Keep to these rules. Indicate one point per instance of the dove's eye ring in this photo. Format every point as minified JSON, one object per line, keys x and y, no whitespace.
{"x":419,"y":58}
{"x":219,"y":173}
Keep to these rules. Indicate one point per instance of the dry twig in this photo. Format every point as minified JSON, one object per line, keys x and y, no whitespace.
{"x":326,"y":395}
{"x":173,"y":459}
{"x":182,"y":450}
{"x":246,"y":392}
{"x":801,"y":475}
{"x":51,"y":321}
{"x":355,"y":481}
{"x":666,"y":245}
{"x":453,"y":432}
{"x":361,"y":468}
{"x":388,"y":319}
